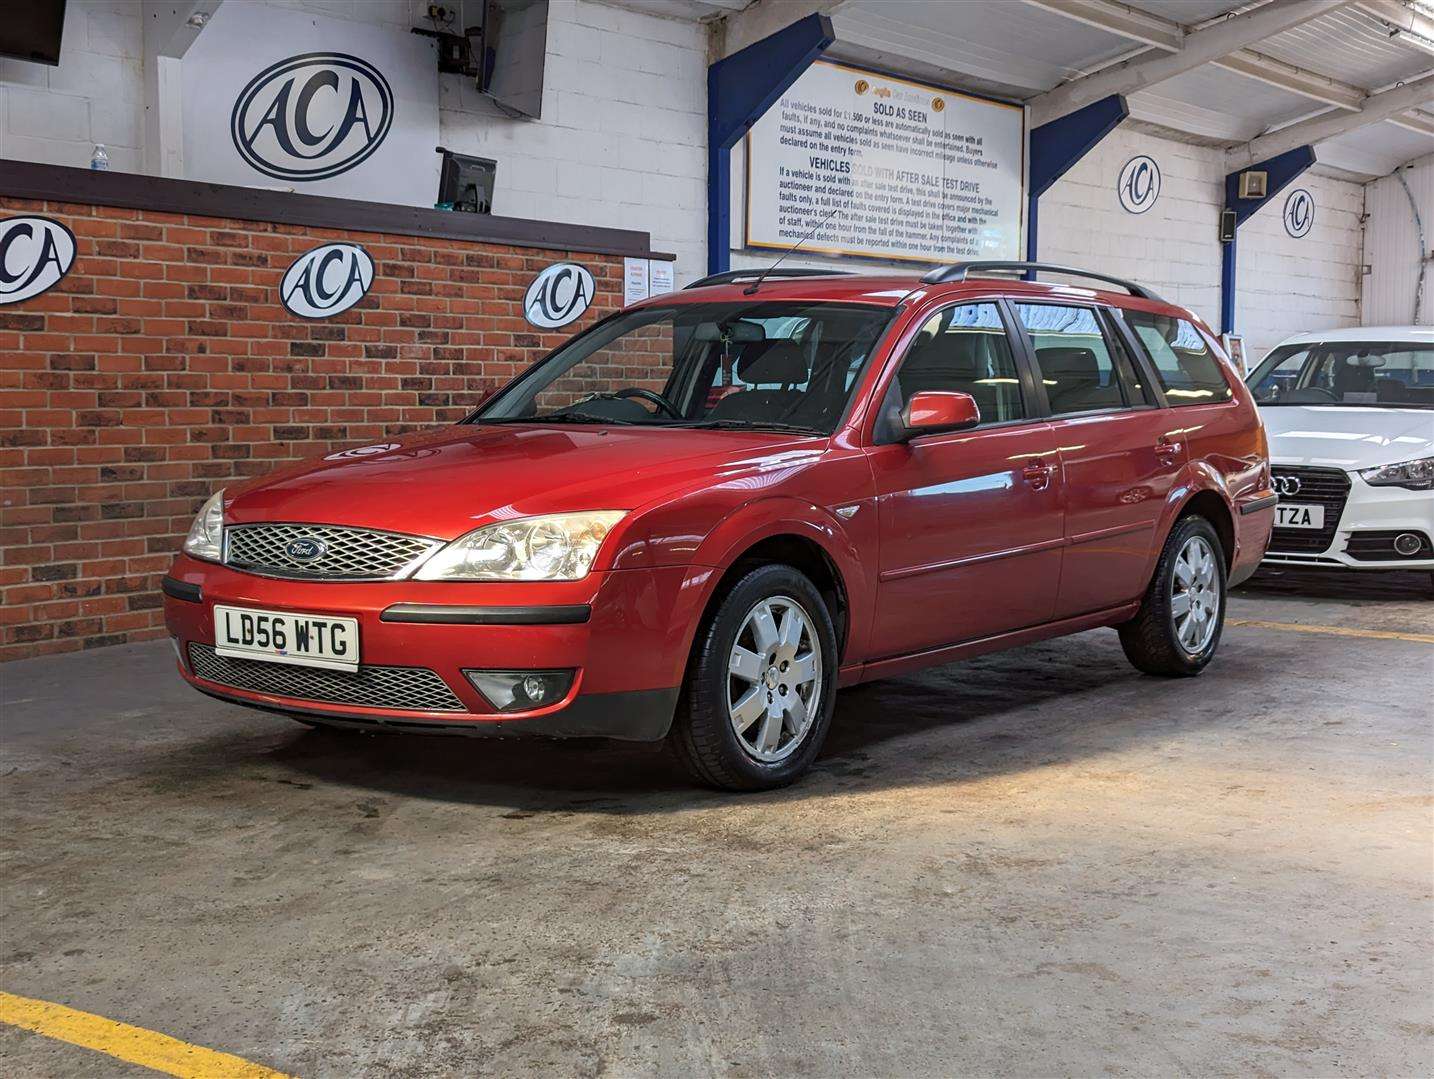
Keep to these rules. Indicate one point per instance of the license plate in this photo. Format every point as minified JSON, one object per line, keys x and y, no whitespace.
{"x":1296,"y":515}
{"x":284,"y":637}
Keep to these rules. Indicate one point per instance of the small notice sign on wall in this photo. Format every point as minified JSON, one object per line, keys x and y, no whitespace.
{"x":645,"y":277}
{"x":873,"y":165}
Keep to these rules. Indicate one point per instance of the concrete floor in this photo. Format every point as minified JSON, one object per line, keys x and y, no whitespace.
{"x":1036,"y":863}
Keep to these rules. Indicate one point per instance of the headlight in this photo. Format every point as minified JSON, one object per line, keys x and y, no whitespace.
{"x":1415,"y":475}
{"x":556,"y":548}
{"x":206,"y":534}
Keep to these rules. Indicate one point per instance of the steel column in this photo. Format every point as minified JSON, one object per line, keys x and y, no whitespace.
{"x":739,"y":90}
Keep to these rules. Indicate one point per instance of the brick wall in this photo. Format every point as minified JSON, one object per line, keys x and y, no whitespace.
{"x":164,"y":366}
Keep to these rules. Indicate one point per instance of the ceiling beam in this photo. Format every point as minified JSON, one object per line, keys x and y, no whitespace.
{"x":1201,"y":46}
{"x":1412,"y":27}
{"x":1415,"y":120}
{"x":1295,"y":80}
{"x":1116,"y":18}
{"x":1376,"y":107}
{"x":1161,"y":33}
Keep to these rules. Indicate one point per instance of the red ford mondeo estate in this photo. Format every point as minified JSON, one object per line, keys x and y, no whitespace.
{"x":701,"y":517}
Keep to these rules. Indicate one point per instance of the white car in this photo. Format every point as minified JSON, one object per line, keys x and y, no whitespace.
{"x":1350,"y":418}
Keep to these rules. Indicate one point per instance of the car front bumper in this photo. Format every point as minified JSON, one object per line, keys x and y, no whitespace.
{"x":1370,"y":519}
{"x":624,"y":634}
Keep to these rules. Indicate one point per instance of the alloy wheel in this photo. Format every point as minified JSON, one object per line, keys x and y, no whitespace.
{"x":1195,"y":595}
{"x":774,"y":683}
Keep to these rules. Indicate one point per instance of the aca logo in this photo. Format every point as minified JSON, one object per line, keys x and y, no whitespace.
{"x":558,"y":295}
{"x":327,"y":280}
{"x":313,"y":116}
{"x":35,"y":253}
{"x":1299,"y":212}
{"x":1139,"y":184}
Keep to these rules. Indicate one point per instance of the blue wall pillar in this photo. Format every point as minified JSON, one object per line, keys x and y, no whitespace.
{"x":1059,"y":144}
{"x":739,"y":90}
{"x":1283,"y":170}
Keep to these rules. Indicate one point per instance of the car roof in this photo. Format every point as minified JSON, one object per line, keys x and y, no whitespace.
{"x":1411,"y":334}
{"x":888,"y":290}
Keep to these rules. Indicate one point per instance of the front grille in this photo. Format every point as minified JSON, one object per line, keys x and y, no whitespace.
{"x":415,"y":689}
{"x":345,"y":554}
{"x":1327,"y":487}
{"x":1378,"y":546}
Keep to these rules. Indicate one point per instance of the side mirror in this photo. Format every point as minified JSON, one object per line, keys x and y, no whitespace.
{"x":934,"y":411}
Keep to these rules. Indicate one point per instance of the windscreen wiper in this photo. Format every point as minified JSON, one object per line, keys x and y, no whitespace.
{"x":745,"y":425}
{"x":552,"y":417}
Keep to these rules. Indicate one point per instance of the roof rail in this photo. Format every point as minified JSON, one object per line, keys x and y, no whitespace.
{"x":738,"y":275}
{"x":958,"y":271}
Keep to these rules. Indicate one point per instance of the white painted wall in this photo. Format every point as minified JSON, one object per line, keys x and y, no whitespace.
{"x":623,"y":137}
{"x":621,"y":142}
{"x":56,"y":115}
{"x":1172,"y":247}
{"x":1284,"y":285}
{"x":1289,"y":286}
{"x":1392,"y":247}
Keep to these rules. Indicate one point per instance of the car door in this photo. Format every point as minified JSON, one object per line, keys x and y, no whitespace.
{"x":970,"y":521}
{"x":1120,"y":453}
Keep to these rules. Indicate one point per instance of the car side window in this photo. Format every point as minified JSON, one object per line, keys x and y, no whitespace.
{"x":961,"y":349}
{"x":1074,"y":358}
{"x":1190,"y":372}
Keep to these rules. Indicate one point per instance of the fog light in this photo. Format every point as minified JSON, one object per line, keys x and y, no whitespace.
{"x":1408,"y":544}
{"x":518,"y":691}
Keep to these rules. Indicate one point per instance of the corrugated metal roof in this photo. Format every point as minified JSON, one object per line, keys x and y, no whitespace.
{"x":1350,"y":46}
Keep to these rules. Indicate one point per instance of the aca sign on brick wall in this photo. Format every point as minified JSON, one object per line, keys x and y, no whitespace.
{"x":558,"y":295}
{"x":35,"y":253}
{"x":327,"y":281}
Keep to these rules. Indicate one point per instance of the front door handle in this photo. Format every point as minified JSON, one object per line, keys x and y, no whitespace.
{"x":1038,"y":474}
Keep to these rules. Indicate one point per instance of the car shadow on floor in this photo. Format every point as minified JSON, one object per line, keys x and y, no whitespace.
{"x":998,"y":714}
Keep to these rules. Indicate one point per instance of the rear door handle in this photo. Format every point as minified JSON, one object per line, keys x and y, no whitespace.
{"x":1167,"y":449}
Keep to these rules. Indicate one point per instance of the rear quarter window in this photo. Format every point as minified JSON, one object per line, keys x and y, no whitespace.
{"x":1189,"y":371}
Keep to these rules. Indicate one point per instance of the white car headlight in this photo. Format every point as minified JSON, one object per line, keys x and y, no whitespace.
{"x":1416,"y":475}
{"x":206,"y":534}
{"x":560,"y":547}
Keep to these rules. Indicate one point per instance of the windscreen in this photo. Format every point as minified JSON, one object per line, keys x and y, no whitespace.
{"x":1380,"y":373}
{"x":768,"y":365}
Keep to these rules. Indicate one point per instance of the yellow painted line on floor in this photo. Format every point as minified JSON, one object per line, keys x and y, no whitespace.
{"x":1338,"y":631}
{"x":136,"y":1045}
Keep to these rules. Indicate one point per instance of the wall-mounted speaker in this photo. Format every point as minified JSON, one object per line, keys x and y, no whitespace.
{"x":1254,"y":184}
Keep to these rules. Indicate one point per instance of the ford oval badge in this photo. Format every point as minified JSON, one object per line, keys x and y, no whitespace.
{"x":305,"y":550}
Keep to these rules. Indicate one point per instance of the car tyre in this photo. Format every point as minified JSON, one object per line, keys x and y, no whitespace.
{"x":1177,"y":629}
{"x":724,"y":735}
